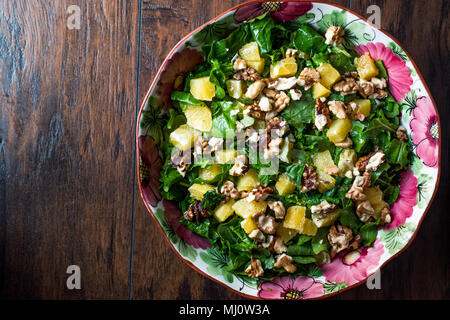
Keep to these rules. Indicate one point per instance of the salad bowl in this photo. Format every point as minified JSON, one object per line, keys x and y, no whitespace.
{"x":418,"y":185}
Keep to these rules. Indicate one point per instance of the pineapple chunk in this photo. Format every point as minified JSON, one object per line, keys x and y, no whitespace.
{"x":248,"y":225}
{"x":375,"y":197}
{"x":202,"y":89}
{"x":321,"y":220}
{"x":183,"y":137}
{"x":284,"y":68}
{"x":235,"y":88}
{"x":258,"y":65}
{"x":326,"y":183}
{"x":310,"y":228}
{"x":347,"y":160}
{"x":295,"y":218}
{"x":285,"y":234}
{"x":245,"y":209}
{"x":285,"y":149}
{"x":224,"y":210}
{"x":339,"y":130}
{"x":250,"y":52}
{"x":208,"y":174}
{"x":248,"y":181}
{"x":328,"y":74}
{"x":284,"y":185}
{"x":225,"y":156}
{"x":323,"y":160}
{"x":198,"y":190}
{"x":198,"y":117}
{"x":320,"y":91}
{"x":366,"y":67}
{"x":364,"y":107}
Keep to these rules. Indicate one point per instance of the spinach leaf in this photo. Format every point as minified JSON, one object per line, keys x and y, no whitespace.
{"x":300,"y":250}
{"x":383,"y":72}
{"x":223,"y":124}
{"x":308,"y":40}
{"x":294,"y":172}
{"x":391,"y":193}
{"x":261,"y":29}
{"x":304,"y":259}
{"x":185,"y":97}
{"x":397,"y":152}
{"x":349,"y":219}
{"x":320,"y":242}
{"x":300,"y":112}
{"x":369,"y":233}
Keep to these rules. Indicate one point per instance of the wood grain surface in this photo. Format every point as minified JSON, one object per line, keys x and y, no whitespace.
{"x":68,"y":106}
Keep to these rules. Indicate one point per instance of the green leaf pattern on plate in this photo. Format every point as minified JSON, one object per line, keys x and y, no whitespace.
{"x":396,"y":239}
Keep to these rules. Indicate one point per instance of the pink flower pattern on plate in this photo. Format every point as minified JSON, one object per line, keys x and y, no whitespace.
{"x":337,"y":271}
{"x":403,"y":207}
{"x":400,"y":80}
{"x":288,"y":288}
{"x":425,"y":132}
{"x":278,"y":10}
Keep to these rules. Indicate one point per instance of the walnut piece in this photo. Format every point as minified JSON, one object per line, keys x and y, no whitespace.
{"x":257,"y":235}
{"x":215,"y":143}
{"x":278,"y":246}
{"x":338,"y":108}
{"x":348,"y":85}
{"x":371,"y":162}
{"x":229,"y":191}
{"x":344,"y":144}
{"x":277,"y":127}
{"x":281,"y":101}
{"x":255,"y":269}
{"x":364,"y":210}
{"x":265,"y":103}
{"x":265,"y":223}
{"x":180,"y":161}
{"x":258,"y":194}
{"x":284,"y":261}
{"x":324,"y":207}
{"x":385,"y":216}
{"x":273,"y":148}
{"x":283,"y":84}
{"x":290,"y":53}
{"x":357,"y":189}
{"x":240,"y":166}
{"x":278,"y":208}
{"x":339,"y":238}
{"x":310,"y":180}
{"x":401,"y":134}
{"x":255,"y":89}
{"x":254,"y":111}
{"x":239,"y":64}
{"x":334,"y":35}
{"x":308,"y":77}
{"x":322,"y":116}
{"x":195,"y":211}
{"x":295,"y":94}
{"x":247,"y":74}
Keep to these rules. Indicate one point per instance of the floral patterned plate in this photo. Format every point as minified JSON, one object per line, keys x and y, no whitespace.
{"x":417,"y":187}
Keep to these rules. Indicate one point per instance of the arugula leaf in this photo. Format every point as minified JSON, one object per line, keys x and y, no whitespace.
{"x":397,"y":152}
{"x":304,"y":259}
{"x":211,"y":199}
{"x":391,"y":193}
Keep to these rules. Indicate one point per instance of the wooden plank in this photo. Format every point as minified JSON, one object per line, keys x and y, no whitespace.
{"x":157,"y":272}
{"x":68,"y":101}
{"x":421,"y":272}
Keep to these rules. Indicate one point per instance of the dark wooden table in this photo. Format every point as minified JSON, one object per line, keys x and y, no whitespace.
{"x":68,"y":105}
